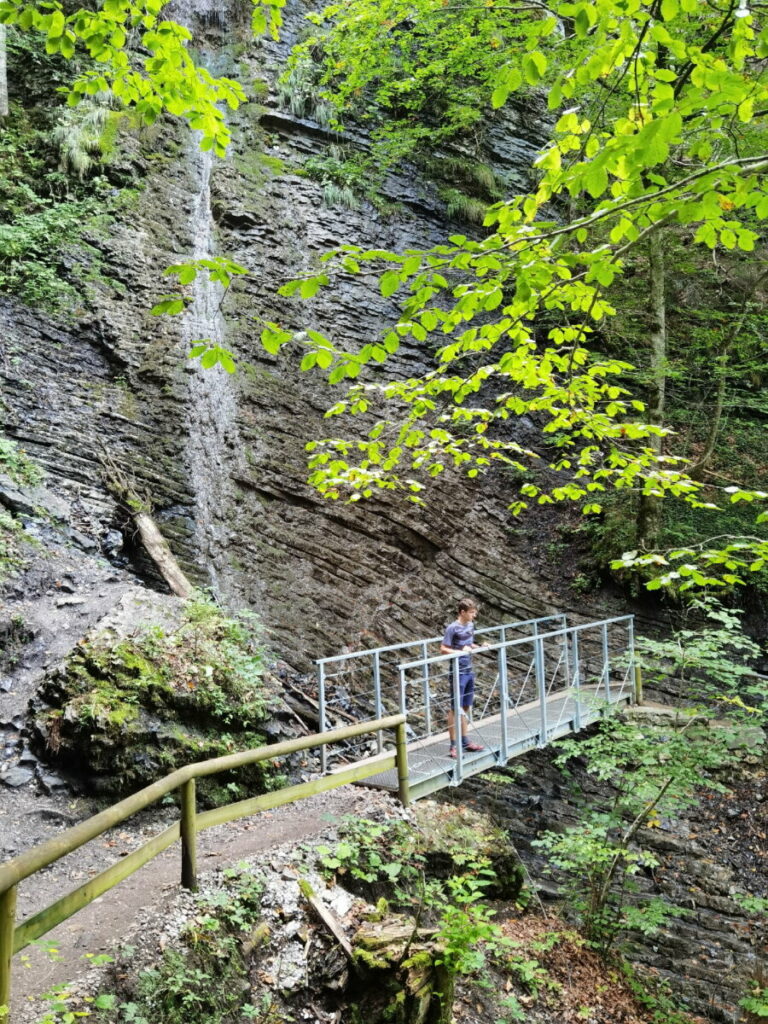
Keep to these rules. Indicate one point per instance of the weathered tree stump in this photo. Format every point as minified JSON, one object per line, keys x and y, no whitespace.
{"x":406,"y":980}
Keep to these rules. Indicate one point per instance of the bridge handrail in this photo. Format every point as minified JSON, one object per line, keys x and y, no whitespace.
{"x":437,"y":659}
{"x":429,"y":640}
{"x":13,"y":937}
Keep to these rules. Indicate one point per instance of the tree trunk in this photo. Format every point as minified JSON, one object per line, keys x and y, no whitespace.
{"x":3,"y":75}
{"x":697,"y":471}
{"x":649,"y":511}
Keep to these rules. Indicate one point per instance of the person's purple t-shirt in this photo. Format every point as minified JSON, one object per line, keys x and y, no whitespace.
{"x":458,"y":635}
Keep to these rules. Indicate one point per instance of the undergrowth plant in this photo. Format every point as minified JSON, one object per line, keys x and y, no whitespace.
{"x":708,"y":662}
{"x":756,"y":1003}
{"x":393,"y":856}
{"x":371,"y":852}
{"x":16,"y":464}
{"x":651,"y":772}
{"x":10,"y":543}
{"x":654,"y":995}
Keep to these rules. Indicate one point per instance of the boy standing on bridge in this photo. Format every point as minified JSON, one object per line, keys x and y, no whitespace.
{"x":460,"y":636}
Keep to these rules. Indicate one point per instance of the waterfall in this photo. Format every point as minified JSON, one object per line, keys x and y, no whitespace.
{"x":214,"y":443}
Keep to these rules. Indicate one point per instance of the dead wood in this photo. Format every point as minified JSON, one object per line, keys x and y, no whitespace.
{"x":124,"y":489}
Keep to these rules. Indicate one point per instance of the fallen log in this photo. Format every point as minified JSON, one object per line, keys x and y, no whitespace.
{"x":329,"y":919}
{"x":158,"y":550}
{"x":155,"y":544}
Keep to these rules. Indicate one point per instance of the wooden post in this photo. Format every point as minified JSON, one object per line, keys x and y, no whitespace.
{"x":188,"y":836}
{"x":7,"y":927}
{"x":638,"y":685}
{"x":403,"y":788}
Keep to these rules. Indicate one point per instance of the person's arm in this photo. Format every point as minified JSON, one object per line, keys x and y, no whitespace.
{"x":446,"y":647}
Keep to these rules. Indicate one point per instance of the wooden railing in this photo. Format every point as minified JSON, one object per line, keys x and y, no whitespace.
{"x":14,"y":938}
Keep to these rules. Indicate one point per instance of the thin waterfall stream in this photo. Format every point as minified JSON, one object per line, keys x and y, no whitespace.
{"x":214,"y":442}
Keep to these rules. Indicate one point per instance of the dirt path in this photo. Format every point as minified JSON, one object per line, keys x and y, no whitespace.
{"x":113,"y":917}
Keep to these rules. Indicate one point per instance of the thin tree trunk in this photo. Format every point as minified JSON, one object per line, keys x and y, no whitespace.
{"x":697,"y":471}
{"x":649,"y":511}
{"x":3,"y":75}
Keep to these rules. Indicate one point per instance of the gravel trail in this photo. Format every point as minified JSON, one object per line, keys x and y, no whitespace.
{"x":121,"y":912}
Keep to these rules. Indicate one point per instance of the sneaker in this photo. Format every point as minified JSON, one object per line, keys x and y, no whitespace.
{"x":472,"y":747}
{"x":452,"y":752}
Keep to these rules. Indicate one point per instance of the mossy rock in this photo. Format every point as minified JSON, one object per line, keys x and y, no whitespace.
{"x":125,"y":711}
{"x":449,"y":834}
{"x":414,"y":990}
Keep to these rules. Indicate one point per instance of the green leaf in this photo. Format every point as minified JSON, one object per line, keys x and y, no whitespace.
{"x":170,"y":305}
{"x":389,"y":283}
{"x":290,"y":288}
{"x":226,"y":360}
{"x":273,"y":338}
{"x":499,"y":96}
{"x":596,"y":180}
{"x":310,"y":287}
{"x":258,"y":22}
{"x":186,"y":272}
{"x":534,"y":66}
{"x":669,"y":9}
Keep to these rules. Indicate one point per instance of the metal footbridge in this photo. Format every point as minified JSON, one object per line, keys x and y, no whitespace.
{"x":536,"y":681}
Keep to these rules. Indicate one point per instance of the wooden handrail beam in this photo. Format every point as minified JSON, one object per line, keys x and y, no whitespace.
{"x":26,"y":864}
{"x":14,"y":938}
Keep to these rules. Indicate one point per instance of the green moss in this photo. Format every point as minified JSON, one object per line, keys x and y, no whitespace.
{"x":461,"y":206}
{"x":470,"y":176}
{"x":259,"y":167}
{"x":131,"y":711}
{"x":52,"y":192}
{"x":370,"y":959}
{"x":12,"y":542}
{"x":16,"y":464}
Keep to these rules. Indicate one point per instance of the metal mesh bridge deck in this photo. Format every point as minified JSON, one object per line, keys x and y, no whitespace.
{"x":430,"y":768}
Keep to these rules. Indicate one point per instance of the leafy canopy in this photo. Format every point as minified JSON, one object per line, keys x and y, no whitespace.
{"x":658,"y":110}
{"x":663,"y":126}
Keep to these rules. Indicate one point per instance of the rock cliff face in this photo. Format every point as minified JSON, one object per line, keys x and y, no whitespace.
{"x":221,"y":458}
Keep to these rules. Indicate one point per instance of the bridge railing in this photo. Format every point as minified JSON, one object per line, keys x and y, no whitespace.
{"x":592,"y":662}
{"x":14,"y":938}
{"x":363,"y":685}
